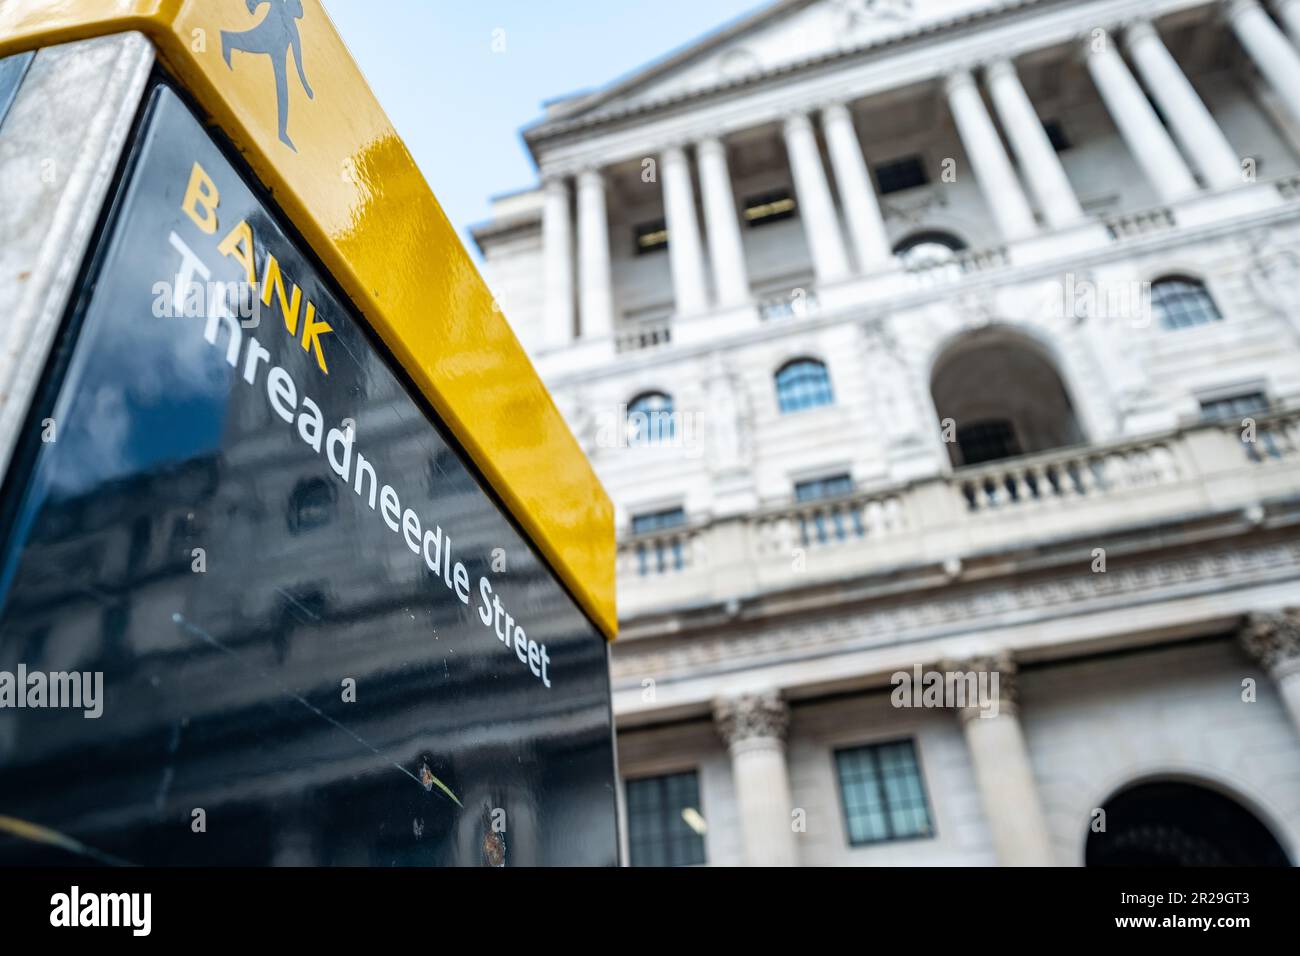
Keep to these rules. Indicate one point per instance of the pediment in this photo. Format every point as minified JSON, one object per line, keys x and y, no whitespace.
{"x":781,"y":35}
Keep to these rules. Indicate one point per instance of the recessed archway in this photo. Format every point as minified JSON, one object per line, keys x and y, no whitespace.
{"x":1177,"y":823}
{"x":998,"y":395}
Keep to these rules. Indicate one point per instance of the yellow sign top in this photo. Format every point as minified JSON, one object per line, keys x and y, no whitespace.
{"x":275,"y":77}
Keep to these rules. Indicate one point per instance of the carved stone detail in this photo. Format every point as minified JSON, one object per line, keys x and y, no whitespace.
{"x":1008,"y":685}
{"x":751,"y":716}
{"x":890,"y":622}
{"x":1273,"y":639}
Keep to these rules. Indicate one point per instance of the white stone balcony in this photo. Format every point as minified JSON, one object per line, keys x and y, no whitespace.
{"x":1080,"y":498}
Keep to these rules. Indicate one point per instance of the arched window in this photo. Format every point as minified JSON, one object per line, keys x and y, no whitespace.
{"x":1180,"y":302}
{"x":928,"y":248}
{"x":998,"y":395}
{"x":650,"y":419}
{"x":803,"y":383}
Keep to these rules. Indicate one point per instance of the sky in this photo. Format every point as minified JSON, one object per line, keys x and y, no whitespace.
{"x":459,"y":105}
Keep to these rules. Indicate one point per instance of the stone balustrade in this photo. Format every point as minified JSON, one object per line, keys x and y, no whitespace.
{"x":1142,"y":223}
{"x":643,"y":335}
{"x":932,"y":272}
{"x":1093,"y":490}
{"x":1276,"y":438}
{"x":1055,"y":478}
{"x":827,"y":524}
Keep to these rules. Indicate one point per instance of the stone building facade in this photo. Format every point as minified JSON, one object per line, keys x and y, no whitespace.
{"x":940,"y":337}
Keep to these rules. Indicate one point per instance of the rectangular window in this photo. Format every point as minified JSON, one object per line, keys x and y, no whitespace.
{"x":651,"y":237}
{"x":1056,"y":136}
{"x":665,"y":825}
{"x":818,"y":488}
{"x":660,"y":555}
{"x":658,"y":520}
{"x":769,"y":207}
{"x":883,"y":794}
{"x":1234,"y":406}
{"x":987,"y":441}
{"x":901,"y":174}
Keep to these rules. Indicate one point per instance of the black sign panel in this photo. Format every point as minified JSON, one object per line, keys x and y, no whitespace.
{"x":257,"y":609}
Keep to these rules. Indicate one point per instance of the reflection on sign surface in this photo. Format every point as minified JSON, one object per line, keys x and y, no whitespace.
{"x":308,"y":633}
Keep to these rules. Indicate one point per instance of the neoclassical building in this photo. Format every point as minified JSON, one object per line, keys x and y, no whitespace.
{"x":933,"y":340}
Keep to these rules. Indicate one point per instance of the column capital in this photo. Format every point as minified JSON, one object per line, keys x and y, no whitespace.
{"x":1235,"y":8}
{"x":1000,"y":66}
{"x":674,"y":152}
{"x":797,"y":121}
{"x":710,"y":145}
{"x":1135,"y":31}
{"x":957,"y":78}
{"x":1097,"y":42}
{"x":554,"y":182}
{"x":836,"y":111}
{"x":590,"y":176}
{"x":1007,"y":689}
{"x":1273,"y":639}
{"x":747,"y":717}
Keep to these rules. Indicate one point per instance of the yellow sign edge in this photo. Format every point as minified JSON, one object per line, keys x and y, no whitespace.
{"x":511,"y":430}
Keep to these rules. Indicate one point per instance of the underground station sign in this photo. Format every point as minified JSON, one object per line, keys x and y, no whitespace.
{"x":259,"y":603}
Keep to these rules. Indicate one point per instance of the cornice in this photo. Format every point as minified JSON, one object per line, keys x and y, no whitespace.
{"x":936,"y":617}
{"x":497,"y":229}
{"x":546,"y":130}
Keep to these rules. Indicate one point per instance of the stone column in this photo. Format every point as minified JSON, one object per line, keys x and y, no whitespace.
{"x":1147,"y":139}
{"x":1273,"y":640}
{"x":685,"y":253}
{"x":1038,"y":159}
{"x":754,"y":727}
{"x":1268,"y":46}
{"x":1002,"y":770}
{"x":1193,"y":126}
{"x":723,"y":225}
{"x":557,"y":256}
{"x":596,"y":301}
{"x":861,"y":207}
{"x":816,"y":208}
{"x":1288,"y":12}
{"x":997,"y":179}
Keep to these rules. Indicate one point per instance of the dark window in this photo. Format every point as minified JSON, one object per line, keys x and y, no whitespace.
{"x":1234,"y":406}
{"x":987,"y":441}
{"x":1056,"y":136}
{"x":141,"y":540}
{"x":658,"y":520}
{"x":665,"y":826}
{"x":769,"y":207}
{"x":1258,"y":442}
{"x":818,"y":488}
{"x":901,"y":174}
{"x":311,"y":505}
{"x":651,"y":237}
{"x":1182,"y":303}
{"x":883,"y":794}
{"x":803,"y":383}
{"x":650,"y":419}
